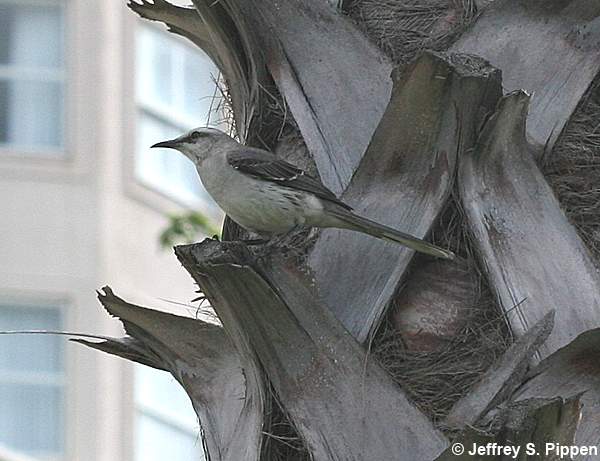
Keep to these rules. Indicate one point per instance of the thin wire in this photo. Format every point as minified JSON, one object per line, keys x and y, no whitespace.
{"x":59,"y":333}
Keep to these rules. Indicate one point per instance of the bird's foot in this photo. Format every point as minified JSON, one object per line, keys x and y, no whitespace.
{"x":279,"y":239}
{"x":287,"y":243}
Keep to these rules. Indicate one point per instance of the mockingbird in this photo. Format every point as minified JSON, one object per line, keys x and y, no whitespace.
{"x":267,"y":195}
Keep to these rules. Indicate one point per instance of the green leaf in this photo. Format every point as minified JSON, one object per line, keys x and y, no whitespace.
{"x":187,"y":228}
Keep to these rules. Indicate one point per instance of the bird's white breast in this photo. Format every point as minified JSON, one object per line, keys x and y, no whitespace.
{"x":257,"y":205}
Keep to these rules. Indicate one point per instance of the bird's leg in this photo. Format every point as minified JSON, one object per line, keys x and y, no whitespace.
{"x":280,"y":238}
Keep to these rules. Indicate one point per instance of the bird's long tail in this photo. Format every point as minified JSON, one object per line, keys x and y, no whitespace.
{"x":366,"y":226}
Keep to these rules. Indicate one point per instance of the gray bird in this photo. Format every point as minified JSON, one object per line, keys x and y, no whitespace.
{"x":267,"y":195}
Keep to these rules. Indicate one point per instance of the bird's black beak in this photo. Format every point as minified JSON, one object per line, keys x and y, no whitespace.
{"x":172,"y":144}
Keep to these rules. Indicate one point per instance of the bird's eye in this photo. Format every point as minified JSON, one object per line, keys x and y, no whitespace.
{"x":195,"y":135}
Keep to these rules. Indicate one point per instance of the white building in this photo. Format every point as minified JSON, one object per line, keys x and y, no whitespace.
{"x":85,"y":88}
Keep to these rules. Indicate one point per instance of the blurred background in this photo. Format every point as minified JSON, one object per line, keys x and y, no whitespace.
{"x":85,"y":88}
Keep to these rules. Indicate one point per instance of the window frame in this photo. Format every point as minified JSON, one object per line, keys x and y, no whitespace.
{"x":135,"y":188}
{"x":41,"y":153}
{"x":75,"y":162}
{"x":60,"y":303}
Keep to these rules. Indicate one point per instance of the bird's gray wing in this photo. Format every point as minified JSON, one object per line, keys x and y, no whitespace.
{"x":267,"y":167}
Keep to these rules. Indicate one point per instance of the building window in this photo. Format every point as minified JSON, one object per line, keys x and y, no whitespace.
{"x":166,"y":425}
{"x":175,"y":92}
{"x":32,"y":75}
{"x":32,"y":382}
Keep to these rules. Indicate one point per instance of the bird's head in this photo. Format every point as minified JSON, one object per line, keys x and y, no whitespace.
{"x":198,"y":144}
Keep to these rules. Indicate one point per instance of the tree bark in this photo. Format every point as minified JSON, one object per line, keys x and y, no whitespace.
{"x":549,"y":48}
{"x":502,"y":379}
{"x":535,"y":260}
{"x":530,"y":424}
{"x":392,"y":147}
{"x":404,"y":181}
{"x":572,"y":371}
{"x":316,"y":368}
{"x":336,"y":83}
{"x":226,"y":389}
